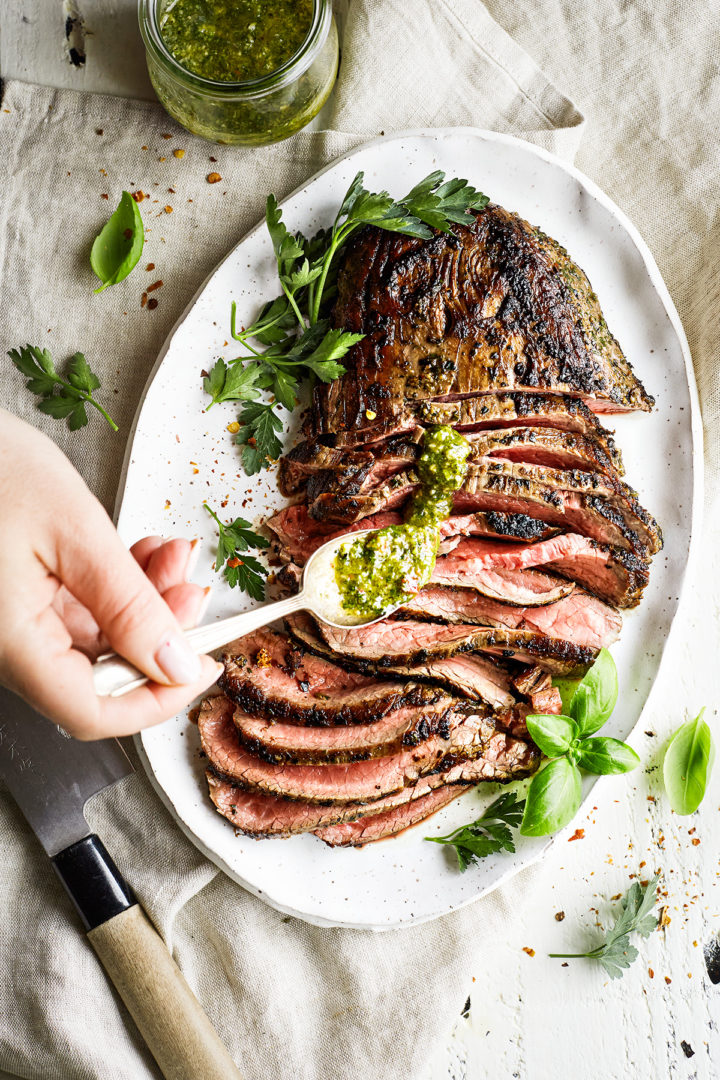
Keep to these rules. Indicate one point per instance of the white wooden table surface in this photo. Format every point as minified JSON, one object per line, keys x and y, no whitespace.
{"x":531,"y":1018}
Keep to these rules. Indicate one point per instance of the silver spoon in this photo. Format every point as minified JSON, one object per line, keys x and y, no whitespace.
{"x":113,"y":676}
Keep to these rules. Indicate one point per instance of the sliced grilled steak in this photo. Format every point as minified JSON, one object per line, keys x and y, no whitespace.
{"x":579,"y":618}
{"x":493,"y":306}
{"x":478,"y":413}
{"x":474,"y":676}
{"x":299,"y":535}
{"x":300,"y":688}
{"x":524,"y":588}
{"x":298,"y":745}
{"x":588,"y":503}
{"x":536,"y":685}
{"x":615,"y":575}
{"x":389,"y":822}
{"x":469,"y":736}
{"x":321,"y":470}
{"x":398,"y":643}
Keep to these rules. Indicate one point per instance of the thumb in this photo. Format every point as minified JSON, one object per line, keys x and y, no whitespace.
{"x":100,"y":572}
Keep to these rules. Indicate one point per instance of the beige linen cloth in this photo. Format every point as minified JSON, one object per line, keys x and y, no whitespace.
{"x":292,"y":1001}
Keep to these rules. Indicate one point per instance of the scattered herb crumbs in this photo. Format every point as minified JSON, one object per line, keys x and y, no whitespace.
{"x":61,"y":397}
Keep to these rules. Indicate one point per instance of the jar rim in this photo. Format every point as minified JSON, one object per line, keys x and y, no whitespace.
{"x":298,"y":63}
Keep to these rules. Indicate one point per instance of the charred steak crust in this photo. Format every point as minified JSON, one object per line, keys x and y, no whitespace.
{"x":494,"y":306}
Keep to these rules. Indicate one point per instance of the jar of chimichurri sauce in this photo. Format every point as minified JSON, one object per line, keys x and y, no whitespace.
{"x":241,"y":71}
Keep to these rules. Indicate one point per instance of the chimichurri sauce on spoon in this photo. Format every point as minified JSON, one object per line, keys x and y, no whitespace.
{"x":235,"y":40}
{"x":389,"y":566}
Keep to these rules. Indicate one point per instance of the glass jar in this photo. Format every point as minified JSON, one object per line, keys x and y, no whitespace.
{"x":252,"y":113}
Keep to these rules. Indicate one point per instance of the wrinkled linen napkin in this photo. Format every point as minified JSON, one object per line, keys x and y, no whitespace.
{"x":291,"y":1001}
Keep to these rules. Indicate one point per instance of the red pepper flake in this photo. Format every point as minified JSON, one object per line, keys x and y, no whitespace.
{"x":137,"y":196}
{"x":152,"y":303}
{"x":143,"y":299}
{"x":236,"y":562}
{"x":695,"y":841}
{"x":104,"y":196}
{"x":166,"y":136}
{"x":150,"y":266}
{"x":579,"y":834}
{"x":668,"y":980}
{"x":103,"y":173}
{"x":651,"y":798}
{"x":143,"y":147}
{"x":643,"y":863}
{"x":211,"y":159}
{"x":559,"y":916}
{"x":528,"y":950}
{"x":691,"y":831}
{"x":168,"y":209}
{"x":98,"y":131}
{"x":616,"y":896}
{"x":179,"y":153}
{"x":128,"y":234}
{"x":171,"y":191}
{"x":167,"y":504}
{"x":213,"y":178}
{"x":155,"y":285}
{"x":651,"y":973}
{"x":162,"y":159}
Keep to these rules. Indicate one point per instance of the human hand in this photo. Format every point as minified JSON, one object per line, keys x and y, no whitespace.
{"x":69,"y":590}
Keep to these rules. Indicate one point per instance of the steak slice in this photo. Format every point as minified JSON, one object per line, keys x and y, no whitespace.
{"x":470,"y":735}
{"x":390,"y":822}
{"x":472,"y":675}
{"x":298,"y":745}
{"x":299,"y":535}
{"x":300,"y":688}
{"x":392,"y":642}
{"x":536,"y":684}
{"x":615,"y":575}
{"x":581,"y":502}
{"x":478,"y":413}
{"x":490,"y":307}
{"x":524,"y":588}
{"x":579,"y":618}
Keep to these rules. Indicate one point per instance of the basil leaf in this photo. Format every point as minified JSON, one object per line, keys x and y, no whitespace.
{"x":119,"y":245}
{"x":566,"y":688}
{"x":552,"y":734}
{"x":605,"y":756}
{"x":688,"y":763}
{"x":595,"y":697}
{"x":553,"y":798}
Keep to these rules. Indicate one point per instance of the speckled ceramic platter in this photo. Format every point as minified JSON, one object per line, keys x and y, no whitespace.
{"x":172,"y":467}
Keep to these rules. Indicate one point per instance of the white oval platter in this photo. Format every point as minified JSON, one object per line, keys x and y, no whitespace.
{"x":180,"y":455}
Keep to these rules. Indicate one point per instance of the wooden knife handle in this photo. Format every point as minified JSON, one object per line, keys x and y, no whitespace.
{"x":170,"y":1018}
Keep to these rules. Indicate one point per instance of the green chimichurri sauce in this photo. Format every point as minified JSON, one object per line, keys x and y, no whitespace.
{"x":389,"y":566}
{"x":235,"y":40}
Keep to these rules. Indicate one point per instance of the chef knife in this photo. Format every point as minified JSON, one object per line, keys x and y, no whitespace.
{"x":51,"y":776}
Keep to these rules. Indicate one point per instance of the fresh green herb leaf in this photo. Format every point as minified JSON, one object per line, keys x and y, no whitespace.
{"x":552,"y":734}
{"x":616,"y":954}
{"x":257,"y":436}
{"x":596,"y":695}
{"x":272,"y":324}
{"x":234,"y":539}
{"x":437,"y":203}
{"x":61,"y":398}
{"x":334,"y":345}
{"x":688,"y":764}
{"x":234,"y":383}
{"x":489,"y":834}
{"x":553,"y":798}
{"x":118,"y":246}
{"x":605,"y":756}
{"x":566,"y":688}
{"x":286,"y":247}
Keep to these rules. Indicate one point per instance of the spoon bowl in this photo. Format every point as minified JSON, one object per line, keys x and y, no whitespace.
{"x":114,"y":676}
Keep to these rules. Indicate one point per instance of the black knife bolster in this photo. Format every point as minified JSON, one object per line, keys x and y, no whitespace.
{"x":92,"y":880}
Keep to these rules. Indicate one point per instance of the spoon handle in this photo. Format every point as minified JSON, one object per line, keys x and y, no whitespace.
{"x":113,"y":676}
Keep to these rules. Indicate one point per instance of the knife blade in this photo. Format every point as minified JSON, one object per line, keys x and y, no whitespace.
{"x":51,"y":776}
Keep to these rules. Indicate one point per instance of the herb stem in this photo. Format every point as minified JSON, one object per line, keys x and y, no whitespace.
{"x":293,"y":305}
{"x":89,"y":399}
{"x":314,"y":307}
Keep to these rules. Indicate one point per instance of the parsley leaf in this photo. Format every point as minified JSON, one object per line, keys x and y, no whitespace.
{"x":257,"y":436}
{"x":235,"y":539}
{"x":233,"y":383}
{"x":489,"y":834}
{"x":61,"y":398}
{"x":616,"y":954}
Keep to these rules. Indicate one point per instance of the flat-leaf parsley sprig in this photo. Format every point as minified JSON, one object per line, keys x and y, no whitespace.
{"x":489,"y":834}
{"x":636,"y":917}
{"x":61,"y":397}
{"x":554,"y":795}
{"x":240,"y":570}
{"x":291,"y":341}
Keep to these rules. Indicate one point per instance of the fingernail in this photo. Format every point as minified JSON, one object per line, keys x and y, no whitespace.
{"x":207,"y":593}
{"x":177,"y":660}
{"x":192,"y":558}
